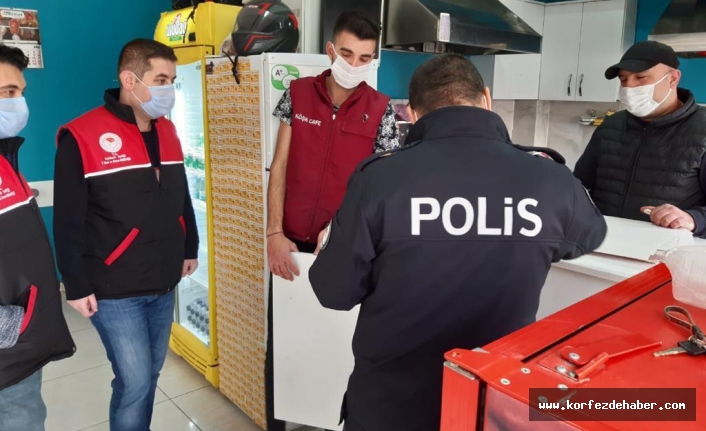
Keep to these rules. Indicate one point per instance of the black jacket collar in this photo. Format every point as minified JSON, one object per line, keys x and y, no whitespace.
{"x":120,"y":110}
{"x":10,"y":149}
{"x":459,"y":121}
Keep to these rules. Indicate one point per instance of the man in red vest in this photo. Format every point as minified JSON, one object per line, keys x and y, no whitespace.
{"x":124,"y":225}
{"x":33,"y":331}
{"x":329,"y":124}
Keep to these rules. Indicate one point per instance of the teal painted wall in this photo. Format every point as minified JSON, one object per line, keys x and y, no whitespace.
{"x":81,"y":40}
{"x":396,"y":68}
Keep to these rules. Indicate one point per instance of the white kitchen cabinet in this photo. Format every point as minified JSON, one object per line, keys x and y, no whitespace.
{"x":561,"y":42}
{"x":510,"y":76}
{"x":514,"y":76}
{"x":608,"y":30}
{"x":580,"y":42}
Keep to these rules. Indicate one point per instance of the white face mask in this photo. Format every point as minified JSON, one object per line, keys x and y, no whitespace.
{"x":347,"y":76}
{"x":639,"y":101}
{"x":13,"y":116}
{"x":162,"y":99}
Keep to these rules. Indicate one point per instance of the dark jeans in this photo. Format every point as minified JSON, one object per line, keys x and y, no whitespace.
{"x":21,"y":405}
{"x":135,"y":333}
{"x":272,"y":423}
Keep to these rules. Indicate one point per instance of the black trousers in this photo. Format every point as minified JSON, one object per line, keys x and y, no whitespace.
{"x":272,"y":423}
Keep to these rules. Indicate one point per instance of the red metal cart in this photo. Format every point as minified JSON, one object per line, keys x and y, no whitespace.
{"x":606,"y":341}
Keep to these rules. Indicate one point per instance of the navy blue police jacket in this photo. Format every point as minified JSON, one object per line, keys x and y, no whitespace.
{"x":445,"y":243}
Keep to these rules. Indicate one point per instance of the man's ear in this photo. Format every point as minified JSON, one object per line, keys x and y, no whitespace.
{"x":676,"y":77}
{"x":128,"y":80}
{"x":329,"y":51}
{"x":412,"y":115}
{"x":488,"y":100}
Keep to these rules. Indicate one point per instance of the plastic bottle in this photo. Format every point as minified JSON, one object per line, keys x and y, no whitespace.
{"x":687,"y":265}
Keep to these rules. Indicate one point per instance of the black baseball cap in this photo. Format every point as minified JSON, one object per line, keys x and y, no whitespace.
{"x":643,"y":56}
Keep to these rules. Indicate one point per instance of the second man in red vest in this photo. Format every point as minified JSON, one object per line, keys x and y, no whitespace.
{"x":124,"y":225}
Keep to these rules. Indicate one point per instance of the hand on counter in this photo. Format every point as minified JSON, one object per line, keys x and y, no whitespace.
{"x":670,"y":216}
{"x":279,"y":249}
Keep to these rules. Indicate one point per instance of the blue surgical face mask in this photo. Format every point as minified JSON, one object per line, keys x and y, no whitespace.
{"x":13,"y":116}
{"x":161,"y":100}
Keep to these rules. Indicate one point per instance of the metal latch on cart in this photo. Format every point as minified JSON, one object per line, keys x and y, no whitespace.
{"x":579,"y":363}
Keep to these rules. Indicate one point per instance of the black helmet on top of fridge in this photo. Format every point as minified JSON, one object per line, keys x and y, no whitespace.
{"x":265,"y":26}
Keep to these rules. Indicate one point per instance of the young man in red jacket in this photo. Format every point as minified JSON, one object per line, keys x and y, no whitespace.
{"x":329,"y":124}
{"x":33,"y":331}
{"x":124,"y":225}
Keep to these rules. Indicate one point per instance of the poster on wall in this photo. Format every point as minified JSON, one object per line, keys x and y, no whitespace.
{"x":20,"y":28}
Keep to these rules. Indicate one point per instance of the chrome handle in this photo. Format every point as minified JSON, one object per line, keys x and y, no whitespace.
{"x":580,"y":86}
{"x":568,"y":87}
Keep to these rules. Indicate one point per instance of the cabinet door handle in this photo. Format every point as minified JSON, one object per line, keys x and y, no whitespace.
{"x":581,"y":86}
{"x":568,"y":87}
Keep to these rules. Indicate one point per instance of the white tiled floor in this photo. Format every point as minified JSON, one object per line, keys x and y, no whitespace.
{"x":77,"y":392}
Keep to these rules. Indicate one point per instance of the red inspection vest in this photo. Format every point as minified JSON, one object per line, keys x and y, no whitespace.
{"x":27,"y":278}
{"x":135,"y":225}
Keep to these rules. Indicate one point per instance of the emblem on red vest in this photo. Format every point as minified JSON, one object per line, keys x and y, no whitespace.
{"x":110,"y":142}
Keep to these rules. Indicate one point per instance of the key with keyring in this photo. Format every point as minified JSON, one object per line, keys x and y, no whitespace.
{"x":689,"y":346}
{"x":695,"y":345}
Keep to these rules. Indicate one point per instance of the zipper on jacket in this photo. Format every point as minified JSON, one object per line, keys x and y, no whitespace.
{"x":157,"y":170}
{"x":633,"y":168}
{"x":329,"y":138}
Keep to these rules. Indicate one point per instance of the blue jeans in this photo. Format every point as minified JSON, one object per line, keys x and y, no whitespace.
{"x":21,"y":405}
{"x":135,"y":333}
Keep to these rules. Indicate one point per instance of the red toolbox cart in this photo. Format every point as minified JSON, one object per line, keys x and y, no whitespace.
{"x":598,"y":348}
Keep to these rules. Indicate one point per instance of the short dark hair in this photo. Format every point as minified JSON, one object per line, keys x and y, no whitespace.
{"x":136,"y":55}
{"x":13,"y":56}
{"x":445,"y":80}
{"x":357,"y":23}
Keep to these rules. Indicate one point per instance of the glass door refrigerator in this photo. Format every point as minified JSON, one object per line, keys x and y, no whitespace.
{"x":194,"y":33}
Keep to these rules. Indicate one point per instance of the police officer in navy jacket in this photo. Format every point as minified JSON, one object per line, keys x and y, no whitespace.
{"x":33,"y":331}
{"x":446,"y":244}
{"x":124,"y":224}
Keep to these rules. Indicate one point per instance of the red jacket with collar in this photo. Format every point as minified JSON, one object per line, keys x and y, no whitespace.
{"x":325,"y":149}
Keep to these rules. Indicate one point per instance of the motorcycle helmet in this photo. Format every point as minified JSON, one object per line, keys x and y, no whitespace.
{"x":265,"y":26}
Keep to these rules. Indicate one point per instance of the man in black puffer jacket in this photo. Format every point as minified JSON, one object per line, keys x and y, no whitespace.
{"x":647,"y":163}
{"x":33,"y":331}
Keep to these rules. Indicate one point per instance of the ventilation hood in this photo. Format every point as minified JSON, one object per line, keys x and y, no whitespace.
{"x":683,"y":27}
{"x":471,"y":27}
